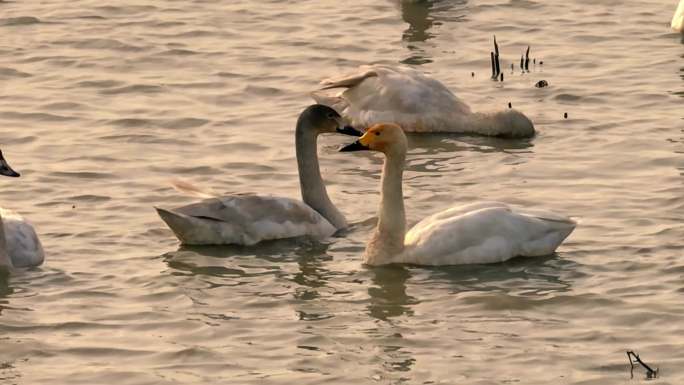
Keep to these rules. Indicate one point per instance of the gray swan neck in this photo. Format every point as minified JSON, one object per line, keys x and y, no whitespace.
{"x":311,"y":183}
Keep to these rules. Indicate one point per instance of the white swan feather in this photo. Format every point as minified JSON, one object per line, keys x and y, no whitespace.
{"x":19,"y":243}
{"x":484,"y":233}
{"x":22,"y":243}
{"x":678,"y":18}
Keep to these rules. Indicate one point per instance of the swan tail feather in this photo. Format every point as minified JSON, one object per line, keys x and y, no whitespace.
{"x":188,"y":188}
{"x":347,"y":81}
{"x":183,"y":226}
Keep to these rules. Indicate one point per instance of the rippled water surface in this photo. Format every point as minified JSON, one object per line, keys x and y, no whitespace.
{"x":102,"y":104}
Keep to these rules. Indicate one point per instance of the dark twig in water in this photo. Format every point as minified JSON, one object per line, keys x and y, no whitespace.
{"x":496,"y":47}
{"x":650,"y":373}
{"x":510,"y":105}
{"x":527,"y":59}
{"x":522,"y":61}
{"x":501,"y":77}
{"x":496,"y":66}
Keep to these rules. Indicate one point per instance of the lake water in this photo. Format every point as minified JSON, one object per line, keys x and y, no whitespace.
{"x":101,"y":105}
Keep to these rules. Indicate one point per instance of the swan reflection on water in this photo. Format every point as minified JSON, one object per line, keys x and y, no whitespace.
{"x":422,"y":16}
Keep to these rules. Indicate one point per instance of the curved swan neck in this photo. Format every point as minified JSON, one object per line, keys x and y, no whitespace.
{"x":311,"y":183}
{"x":387,"y":243}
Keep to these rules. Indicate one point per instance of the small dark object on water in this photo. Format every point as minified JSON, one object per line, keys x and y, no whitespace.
{"x":496,"y":66}
{"x":522,"y":60}
{"x":73,"y":206}
{"x":565,"y":115}
{"x":501,"y":76}
{"x":527,"y":59}
{"x":534,"y":61}
{"x":541,"y":84}
{"x":472,"y":74}
{"x":510,"y":105}
{"x":512,"y":67}
{"x":650,"y":373}
{"x":541,"y":62}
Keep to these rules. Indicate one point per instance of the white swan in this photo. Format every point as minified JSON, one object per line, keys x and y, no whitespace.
{"x":486,"y":232}
{"x":19,"y":244}
{"x":678,"y":18}
{"x":414,"y":101}
{"x":246,"y":219}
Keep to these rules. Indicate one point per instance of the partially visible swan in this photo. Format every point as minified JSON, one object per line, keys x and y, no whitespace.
{"x":19,"y":244}
{"x":246,"y":219}
{"x":414,"y":101}
{"x":485,"y":232}
{"x":678,"y":18}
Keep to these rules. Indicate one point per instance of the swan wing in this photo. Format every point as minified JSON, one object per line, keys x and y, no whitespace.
{"x":678,"y":18}
{"x":403,"y":95}
{"x":493,"y":232}
{"x":245,"y":220}
{"x":23,"y":246}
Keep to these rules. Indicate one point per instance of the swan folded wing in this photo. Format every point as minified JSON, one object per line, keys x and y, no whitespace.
{"x":23,"y":245}
{"x":407,"y":97}
{"x":485,"y":235}
{"x":245,"y":219}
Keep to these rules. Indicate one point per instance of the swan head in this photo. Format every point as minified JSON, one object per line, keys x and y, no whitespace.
{"x":322,"y":119}
{"x":387,"y":138}
{"x":5,"y":168}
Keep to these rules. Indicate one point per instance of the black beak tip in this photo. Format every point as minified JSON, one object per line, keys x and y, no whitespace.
{"x":349,"y":130}
{"x":9,"y":172}
{"x":356,"y":146}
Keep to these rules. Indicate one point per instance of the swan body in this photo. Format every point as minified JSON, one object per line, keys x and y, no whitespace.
{"x":247,"y":219}
{"x":19,"y":243}
{"x":483,"y":232}
{"x":678,"y":18}
{"x":414,"y":101}
{"x":22,"y":242}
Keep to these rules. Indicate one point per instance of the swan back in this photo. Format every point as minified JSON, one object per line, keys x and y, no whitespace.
{"x":245,"y":219}
{"x":416,"y":102}
{"x":379,"y":93}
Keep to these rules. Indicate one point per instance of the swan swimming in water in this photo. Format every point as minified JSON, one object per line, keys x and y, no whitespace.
{"x":416,"y":102}
{"x":19,"y":244}
{"x":678,"y":18}
{"x":485,"y":232}
{"x":246,"y":219}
